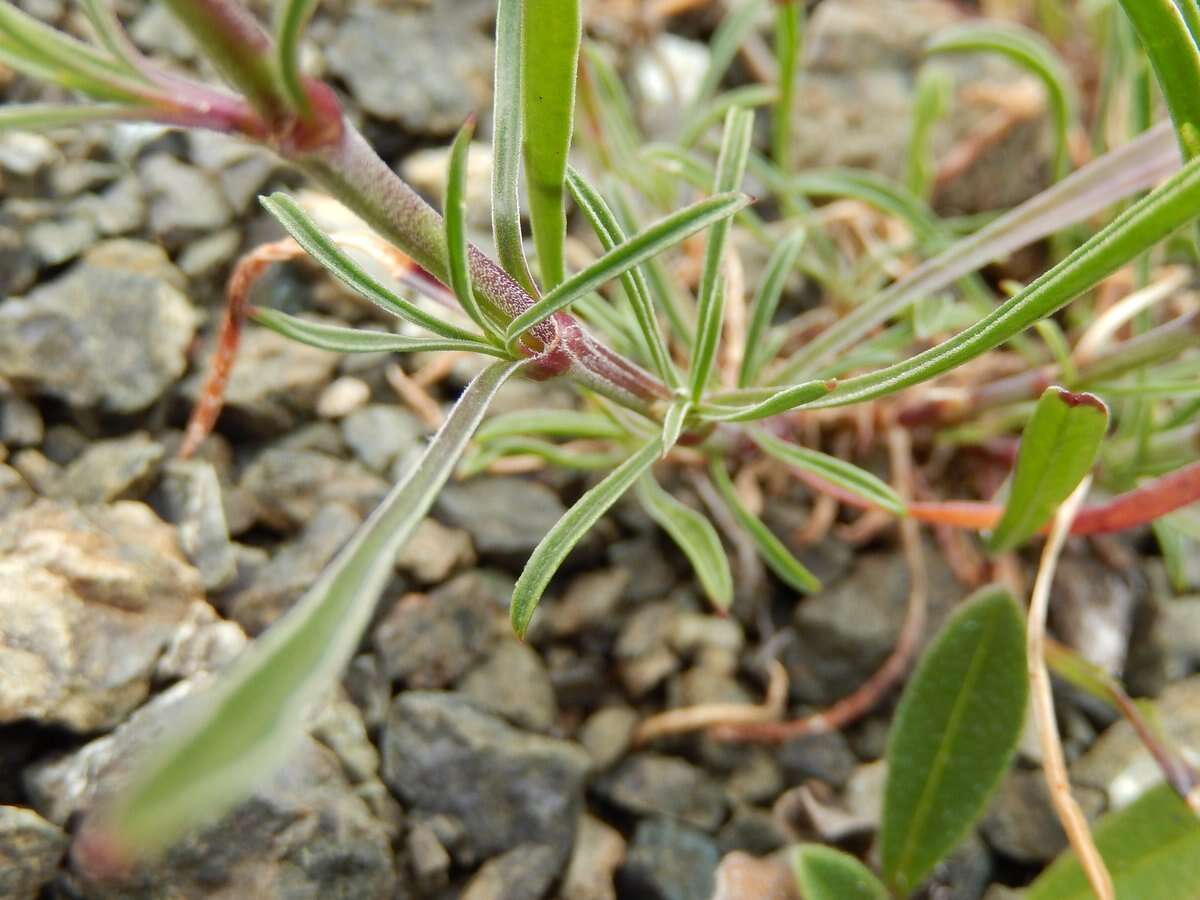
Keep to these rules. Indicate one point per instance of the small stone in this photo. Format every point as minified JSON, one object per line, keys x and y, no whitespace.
{"x":184,"y":200}
{"x":642,"y":555}
{"x":827,"y":757}
{"x":30,"y":851}
{"x":742,"y":876}
{"x":203,"y":642}
{"x":607,"y":735}
{"x":39,"y":473}
{"x":209,"y":254}
{"x":119,"y":209}
{"x":118,"y":469}
{"x":752,"y":830}
{"x":340,"y":727}
{"x":426,"y":170}
{"x":599,"y":850}
{"x":189,"y":497}
{"x":431,"y":641}
{"x":523,"y":873}
{"x":668,"y":75}
{"x":507,"y":517}
{"x":507,"y":788}
{"x":291,"y":486}
{"x":25,"y":153}
{"x":100,"y":335}
{"x":260,"y":596}
{"x":57,"y":241}
{"x":590,"y":601}
{"x":1094,"y":606}
{"x":429,"y":859}
{"x":1021,"y":823}
{"x":757,"y":780}
{"x":342,"y":397}
{"x":88,"y":602}
{"x":379,"y":435}
{"x":368,"y":687}
{"x":15,"y":492}
{"x":20,"y":422}
{"x":435,"y":552}
{"x":651,"y":784}
{"x":690,"y":632}
{"x":668,"y":861}
{"x":513,"y":683}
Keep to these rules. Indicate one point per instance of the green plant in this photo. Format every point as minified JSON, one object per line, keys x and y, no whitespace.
{"x":660,"y":372}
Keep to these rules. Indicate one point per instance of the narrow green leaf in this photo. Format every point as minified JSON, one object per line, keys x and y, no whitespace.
{"x":322,"y":248}
{"x":694,"y":535}
{"x":873,"y":189}
{"x":933,"y":93}
{"x":842,"y":474}
{"x":723,"y":47}
{"x":953,"y":736}
{"x":633,"y":251}
{"x":506,"y":145}
{"x":1164,"y":32}
{"x":1032,"y":52}
{"x":551,"y":32}
{"x":1136,"y":230}
{"x":673,"y":422}
{"x":772,"y":550}
{"x":1151,"y":849}
{"x":564,"y":423}
{"x":48,"y":116}
{"x":731,"y":168}
{"x":1058,"y":448}
{"x":291,"y":18}
{"x":749,"y":96}
{"x":781,"y":401}
{"x":356,"y":340}
{"x":823,"y":873}
{"x":456,"y":232}
{"x":766,"y":301}
{"x":789,"y":28}
{"x":555,"y":455}
{"x":570,"y":529}
{"x":112,"y":36}
{"x":608,"y":230}
{"x":233,"y":734}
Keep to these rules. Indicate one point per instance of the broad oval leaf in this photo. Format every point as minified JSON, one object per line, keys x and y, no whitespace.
{"x":237,"y":731}
{"x":823,"y":873}
{"x":772,"y":550}
{"x":844,"y":475}
{"x":953,"y":736}
{"x":1058,"y":448}
{"x":1151,"y":849}
{"x":629,"y":253}
{"x":695,"y":536}
{"x":551,"y":34}
{"x":341,"y":339}
{"x":549,"y":554}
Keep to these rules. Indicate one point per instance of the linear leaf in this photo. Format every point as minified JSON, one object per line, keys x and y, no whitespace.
{"x":823,"y":873}
{"x":766,"y":301}
{"x":322,"y":248}
{"x":873,"y":189}
{"x":953,"y":736}
{"x":789,"y":32}
{"x":723,"y":47}
{"x":356,"y":340}
{"x":608,"y":230}
{"x":456,"y":231}
{"x":772,"y":550}
{"x":631,"y":252}
{"x":781,"y":401}
{"x":291,"y":17}
{"x":694,"y":535}
{"x":1058,"y":448}
{"x":506,"y":145}
{"x":570,"y":529}
{"x":112,"y":36}
{"x":565,"y":423}
{"x":236,"y":732}
{"x":731,"y":168}
{"x":673,"y":422}
{"x":47,"y":116}
{"x":554,"y":454}
{"x":1151,"y":848}
{"x":846,"y":476}
{"x":1133,"y":167}
{"x":1136,"y":230}
{"x":551,"y":34}
{"x":933,"y":92}
{"x":1162,"y":28}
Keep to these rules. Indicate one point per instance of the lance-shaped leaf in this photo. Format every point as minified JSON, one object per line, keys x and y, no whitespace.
{"x":842,"y":474}
{"x":456,"y":232}
{"x":631,"y":252}
{"x":694,"y":535}
{"x":1058,"y":448}
{"x":1151,"y":848}
{"x":551,"y":32}
{"x":323,"y":249}
{"x":772,"y":550}
{"x":789,"y":29}
{"x":553,"y":454}
{"x":1136,"y":230}
{"x":341,"y":339}
{"x":47,"y":116}
{"x":1163,"y":28}
{"x":673,"y":422}
{"x":291,"y":17}
{"x":608,"y":230}
{"x":710,"y":309}
{"x":506,"y":144}
{"x":565,"y":423}
{"x":823,"y":873}
{"x":570,"y":529}
{"x":953,"y":736}
{"x":780,"y":401}
{"x":235,"y":733}
{"x":765,"y":302}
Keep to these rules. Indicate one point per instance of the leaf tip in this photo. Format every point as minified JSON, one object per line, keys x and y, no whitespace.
{"x":1082,"y":398}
